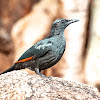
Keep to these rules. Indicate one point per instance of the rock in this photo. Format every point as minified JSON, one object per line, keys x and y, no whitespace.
{"x":10,"y":12}
{"x":74,"y":49}
{"x":19,"y":85}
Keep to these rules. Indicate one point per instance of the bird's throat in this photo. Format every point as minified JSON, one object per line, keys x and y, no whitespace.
{"x":56,"y":32}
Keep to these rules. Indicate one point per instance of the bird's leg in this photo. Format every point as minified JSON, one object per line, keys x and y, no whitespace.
{"x":37,"y":71}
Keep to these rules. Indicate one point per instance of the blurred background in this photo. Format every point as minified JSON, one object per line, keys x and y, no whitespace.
{"x":25,"y":22}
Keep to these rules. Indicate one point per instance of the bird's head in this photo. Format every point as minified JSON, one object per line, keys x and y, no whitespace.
{"x":59,"y":26}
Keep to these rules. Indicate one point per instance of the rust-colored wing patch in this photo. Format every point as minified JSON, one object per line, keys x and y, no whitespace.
{"x":26,"y":59}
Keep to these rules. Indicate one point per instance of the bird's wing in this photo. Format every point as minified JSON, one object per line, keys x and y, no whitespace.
{"x":37,"y":50}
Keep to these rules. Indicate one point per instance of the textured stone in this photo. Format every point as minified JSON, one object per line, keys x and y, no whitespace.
{"x":20,"y":85}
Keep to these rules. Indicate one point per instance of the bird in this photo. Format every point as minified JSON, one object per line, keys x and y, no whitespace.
{"x":45,"y":53}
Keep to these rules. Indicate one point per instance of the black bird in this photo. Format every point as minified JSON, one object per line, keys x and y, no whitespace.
{"x":45,"y":53}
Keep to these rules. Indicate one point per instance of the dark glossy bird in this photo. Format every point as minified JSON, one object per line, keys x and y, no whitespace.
{"x":45,"y":53}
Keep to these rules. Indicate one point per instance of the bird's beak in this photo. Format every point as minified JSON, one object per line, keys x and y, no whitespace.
{"x":71,"y":21}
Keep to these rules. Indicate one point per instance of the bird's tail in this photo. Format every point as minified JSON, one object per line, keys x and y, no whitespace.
{"x":8,"y":70}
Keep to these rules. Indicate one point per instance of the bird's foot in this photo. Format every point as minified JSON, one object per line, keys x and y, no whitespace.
{"x":39,"y":73}
{"x":42,"y":75}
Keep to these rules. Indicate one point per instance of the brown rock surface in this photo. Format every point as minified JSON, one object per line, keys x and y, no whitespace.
{"x":10,"y":12}
{"x":19,"y":85}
